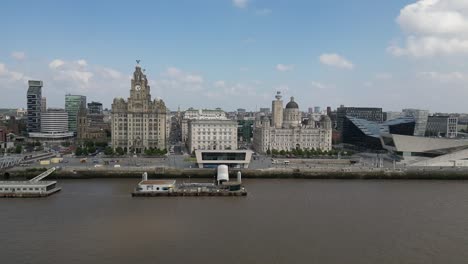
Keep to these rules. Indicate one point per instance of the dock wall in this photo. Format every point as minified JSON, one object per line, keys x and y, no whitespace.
{"x":246,"y":174}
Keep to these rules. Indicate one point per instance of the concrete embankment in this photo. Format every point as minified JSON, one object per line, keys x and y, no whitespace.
{"x":247,"y":173}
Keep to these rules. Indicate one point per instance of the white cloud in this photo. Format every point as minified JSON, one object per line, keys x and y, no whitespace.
{"x":18,"y":55}
{"x":444,"y":76}
{"x":176,"y":80}
{"x":219,"y":84}
{"x":284,"y":67}
{"x":82,"y":63}
{"x":433,"y":27}
{"x":263,"y":12}
{"x":383,"y":76}
{"x":111,"y":73}
{"x":173,"y":72}
{"x":56,"y":63}
{"x":335,"y":60}
{"x":178,"y":75}
{"x":79,"y":76}
{"x":318,"y":85}
{"x":8,"y":75}
{"x":240,"y":3}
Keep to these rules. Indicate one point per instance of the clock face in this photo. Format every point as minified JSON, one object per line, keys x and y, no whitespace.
{"x":138,"y":87}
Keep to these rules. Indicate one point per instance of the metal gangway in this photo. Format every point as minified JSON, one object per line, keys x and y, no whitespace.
{"x":10,"y":161}
{"x":43,"y":175}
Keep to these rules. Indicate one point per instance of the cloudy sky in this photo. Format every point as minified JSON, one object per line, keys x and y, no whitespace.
{"x":237,"y":53}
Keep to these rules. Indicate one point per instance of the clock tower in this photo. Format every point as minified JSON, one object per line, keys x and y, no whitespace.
{"x":140,"y":96}
{"x":139,"y":123}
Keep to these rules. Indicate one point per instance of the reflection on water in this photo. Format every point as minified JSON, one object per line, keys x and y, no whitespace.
{"x":281,"y":221}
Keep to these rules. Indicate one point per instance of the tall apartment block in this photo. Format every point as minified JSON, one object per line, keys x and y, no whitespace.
{"x":34,"y":98}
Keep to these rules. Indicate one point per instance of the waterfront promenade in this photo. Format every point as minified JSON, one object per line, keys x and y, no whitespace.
{"x":179,"y":166}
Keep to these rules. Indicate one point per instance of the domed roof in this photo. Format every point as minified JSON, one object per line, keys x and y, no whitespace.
{"x":292,"y":104}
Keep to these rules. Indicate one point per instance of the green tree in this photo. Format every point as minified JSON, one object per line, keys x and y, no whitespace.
{"x":282,"y":152}
{"x":91,"y":149}
{"x":18,"y":149}
{"x":119,"y":151}
{"x":268,"y":152}
{"x":79,"y":151}
{"x":108,"y":151}
{"x":89,"y":144}
{"x":85,"y":152}
{"x":101,"y":144}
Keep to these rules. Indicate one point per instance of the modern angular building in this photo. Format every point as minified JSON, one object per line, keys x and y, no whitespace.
{"x":373,"y":114}
{"x":138,"y":123}
{"x":424,"y":151}
{"x":367,"y":134}
{"x":73,"y":105}
{"x":420,"y":117}
{"x":293,"y":132}
{"x":34,"y":98}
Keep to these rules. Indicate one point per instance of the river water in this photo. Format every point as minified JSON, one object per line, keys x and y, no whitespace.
{"x":280,"y":221}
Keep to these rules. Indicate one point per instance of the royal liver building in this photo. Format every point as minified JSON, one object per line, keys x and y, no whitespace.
{"x":139,"y":123}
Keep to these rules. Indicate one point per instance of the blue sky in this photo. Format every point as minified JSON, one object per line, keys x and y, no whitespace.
{"x":237,"y":53}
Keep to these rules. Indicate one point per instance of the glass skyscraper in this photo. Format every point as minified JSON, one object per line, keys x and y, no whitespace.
{"x":73,"y":105}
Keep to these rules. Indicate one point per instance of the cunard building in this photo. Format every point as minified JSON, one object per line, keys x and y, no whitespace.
{"x":138,"y":123}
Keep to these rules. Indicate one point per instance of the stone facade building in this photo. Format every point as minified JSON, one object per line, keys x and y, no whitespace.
{"x":293,"y":132}
{"x":199,"y":114}
{"x":204,"y":134}
{"x":91,"y":127}
{"x":138,"y":123}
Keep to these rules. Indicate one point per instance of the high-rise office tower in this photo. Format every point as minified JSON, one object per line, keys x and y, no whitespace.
{"x":73,"y":105}
{"x":34,"y":96}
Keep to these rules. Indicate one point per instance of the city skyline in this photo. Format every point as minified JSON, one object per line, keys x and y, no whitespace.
{"x":231,"y":54}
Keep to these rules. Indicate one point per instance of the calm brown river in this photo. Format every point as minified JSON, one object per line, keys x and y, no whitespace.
{"x":281,"y":221}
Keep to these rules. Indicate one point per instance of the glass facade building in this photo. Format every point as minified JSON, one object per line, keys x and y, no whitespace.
{"x":366,"y":134}
{"x":368,"y":113}
{"x":73,"y":105}
{"x":95,"y":108}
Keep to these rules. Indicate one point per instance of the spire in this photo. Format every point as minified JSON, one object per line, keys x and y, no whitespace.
{"x":138,"y":75}
{"x":278,"y":95}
